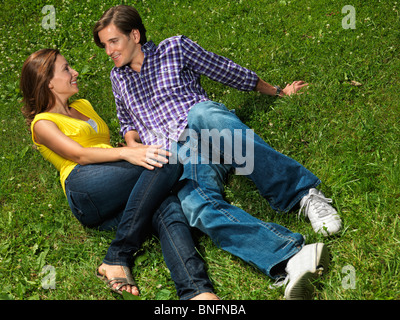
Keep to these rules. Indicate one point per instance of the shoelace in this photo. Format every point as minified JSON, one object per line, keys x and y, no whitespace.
{"x":281,"y":281}
{"x":321,"y":205}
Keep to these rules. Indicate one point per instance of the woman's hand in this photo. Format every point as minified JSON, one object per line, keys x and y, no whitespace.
{"x":47,"y":133}
{"x":145,"y":156}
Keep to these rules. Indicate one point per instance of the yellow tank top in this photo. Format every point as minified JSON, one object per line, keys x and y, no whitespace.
{"x":78,"y":130}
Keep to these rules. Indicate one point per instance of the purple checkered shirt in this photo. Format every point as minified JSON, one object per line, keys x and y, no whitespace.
{"x":156,"y":101}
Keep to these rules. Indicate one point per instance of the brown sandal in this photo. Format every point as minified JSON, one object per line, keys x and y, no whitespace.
{"x":121,"y":281}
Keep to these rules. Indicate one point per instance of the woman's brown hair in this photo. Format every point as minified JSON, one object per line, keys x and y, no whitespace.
{"x":37,"y":72}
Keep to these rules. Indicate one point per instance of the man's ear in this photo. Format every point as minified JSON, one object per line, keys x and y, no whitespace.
{"x":135,"y":34}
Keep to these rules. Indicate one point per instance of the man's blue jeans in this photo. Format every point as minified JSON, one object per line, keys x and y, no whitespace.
{"x":131,"y":199}
{"x":280,"y":179}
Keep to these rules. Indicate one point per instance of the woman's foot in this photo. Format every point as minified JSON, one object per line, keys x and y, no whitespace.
{"x":118,"y":278}
{"x":206,"y":296}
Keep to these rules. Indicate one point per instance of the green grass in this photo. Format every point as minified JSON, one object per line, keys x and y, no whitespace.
{"x":347,"y":135}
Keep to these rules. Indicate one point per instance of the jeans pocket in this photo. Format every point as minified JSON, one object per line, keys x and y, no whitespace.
{"x":83,"y":208}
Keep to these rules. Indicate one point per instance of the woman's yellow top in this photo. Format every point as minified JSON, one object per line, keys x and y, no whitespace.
{"x":78,"y":130}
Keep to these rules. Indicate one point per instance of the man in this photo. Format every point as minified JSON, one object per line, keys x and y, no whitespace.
{"x":158,"y":96}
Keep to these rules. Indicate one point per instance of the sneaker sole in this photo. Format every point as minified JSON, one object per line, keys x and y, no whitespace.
{"x":328,"y":228}
{"x":303,"y":289}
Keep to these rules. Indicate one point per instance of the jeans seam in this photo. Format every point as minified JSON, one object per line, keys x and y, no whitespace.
{"x":290,"y":240}
{"x":301,"y":195}
{"x":286,"y":257}
{"x":80,"y":213}
{"x":206,"y":198}
{"x":138,"y":208}
{"x":177,"y":251}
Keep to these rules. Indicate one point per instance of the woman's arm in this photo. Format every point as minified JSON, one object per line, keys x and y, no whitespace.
{"x":48,"y":134}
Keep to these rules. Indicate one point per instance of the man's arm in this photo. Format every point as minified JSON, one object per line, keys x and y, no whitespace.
{"x":127,"y":127}
{"x":132,"y":138}
{"x":217,"y":68}
{"x":224,"y":70}
{"x":265,"y":88}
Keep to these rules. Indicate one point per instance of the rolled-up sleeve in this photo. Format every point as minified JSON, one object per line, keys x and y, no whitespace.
{"x":216,"y":67}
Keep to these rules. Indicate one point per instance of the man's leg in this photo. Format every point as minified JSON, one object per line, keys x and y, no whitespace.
{"x":280,"y":179}
{"x":261,"y":244}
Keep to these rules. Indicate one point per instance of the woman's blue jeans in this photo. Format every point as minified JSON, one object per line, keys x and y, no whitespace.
{"x":280,"y":179}
{"x":132,"y":200}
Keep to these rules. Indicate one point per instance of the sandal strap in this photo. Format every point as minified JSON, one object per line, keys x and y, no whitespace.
{"x":121,"y":281}
{"x":118,"y":280}
{"x":128,"y":275}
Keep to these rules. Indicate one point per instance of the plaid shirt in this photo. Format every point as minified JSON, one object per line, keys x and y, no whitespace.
{"x":156,"y":101}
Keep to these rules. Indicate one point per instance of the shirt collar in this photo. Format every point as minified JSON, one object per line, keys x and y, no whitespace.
{"x":146,"y":48}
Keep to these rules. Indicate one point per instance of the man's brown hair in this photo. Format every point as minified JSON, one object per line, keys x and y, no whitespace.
{"x":125,"y":18}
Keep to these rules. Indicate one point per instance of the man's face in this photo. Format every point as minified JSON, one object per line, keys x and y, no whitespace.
{"x":120,"y":47}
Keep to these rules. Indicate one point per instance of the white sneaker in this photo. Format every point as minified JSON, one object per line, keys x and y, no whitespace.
{"x":303,"y":268}
{"x":323,"y":217}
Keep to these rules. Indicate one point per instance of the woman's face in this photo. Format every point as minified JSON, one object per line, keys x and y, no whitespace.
{"x":64,"y":82}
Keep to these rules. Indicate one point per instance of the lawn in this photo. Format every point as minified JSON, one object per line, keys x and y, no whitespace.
{"x":345,"y":129}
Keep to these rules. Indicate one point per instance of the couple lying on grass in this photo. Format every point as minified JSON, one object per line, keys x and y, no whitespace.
{"x":151,"y":184}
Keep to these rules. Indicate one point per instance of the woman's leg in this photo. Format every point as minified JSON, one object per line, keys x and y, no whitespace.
{"x":119,"y":191}
{"x":149,"y":192}
{"x":97,"y":194}
{"x":180,"y":255}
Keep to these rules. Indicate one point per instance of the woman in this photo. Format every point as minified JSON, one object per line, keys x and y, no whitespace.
{"x":107,"y":188}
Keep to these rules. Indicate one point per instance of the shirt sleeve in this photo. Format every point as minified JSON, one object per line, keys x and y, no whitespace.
{"x":216,"y":67}
{"x":125,"y":121}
